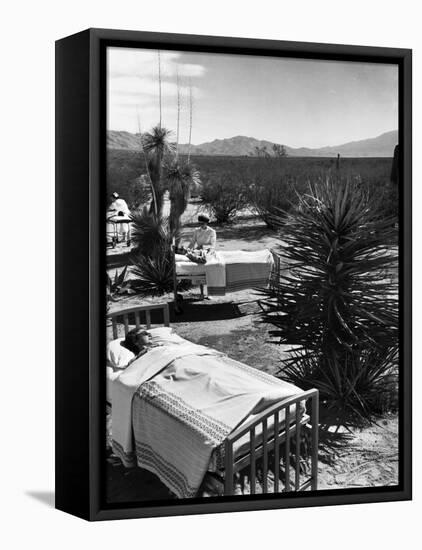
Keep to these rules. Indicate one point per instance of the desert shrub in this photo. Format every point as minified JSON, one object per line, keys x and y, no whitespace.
{"x":139,"y":192}
{"x":388,"y":193}
{"x":224,"y":195}
{"x":338,"y":305}
{"x":123,"y":169}
{"x":122,"y":165}
{"x":269,"y":195}
{"x":125,"y":165}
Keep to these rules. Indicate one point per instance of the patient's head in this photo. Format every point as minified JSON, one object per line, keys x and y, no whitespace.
{"x":136,"y":339}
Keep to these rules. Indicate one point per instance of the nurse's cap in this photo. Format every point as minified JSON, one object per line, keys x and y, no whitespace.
{"x":115,"y":195}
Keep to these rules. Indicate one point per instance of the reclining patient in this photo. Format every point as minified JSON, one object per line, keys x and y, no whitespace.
{"x":122,"y":352}
{"x":138,"y":341}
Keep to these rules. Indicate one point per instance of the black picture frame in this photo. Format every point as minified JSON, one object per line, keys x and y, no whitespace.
{"x":80,"y":268}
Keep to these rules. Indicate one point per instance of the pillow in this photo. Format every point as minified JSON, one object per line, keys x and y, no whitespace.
{"x":165,"y":335}
{"x":118,"y":357}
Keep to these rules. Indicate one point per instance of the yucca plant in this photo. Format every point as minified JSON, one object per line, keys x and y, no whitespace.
{"x":338,"y":302}
{"x":152,"y":256}
{"x":156,"y":145}
{"x":149,"y":231}
{"x":181,"y":177}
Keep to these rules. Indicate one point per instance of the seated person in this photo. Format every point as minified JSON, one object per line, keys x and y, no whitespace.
{"x":203,"y":238}
{"x":202,"y":242}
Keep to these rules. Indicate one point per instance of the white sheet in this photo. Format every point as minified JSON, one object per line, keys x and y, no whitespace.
{"x":111,"y":376}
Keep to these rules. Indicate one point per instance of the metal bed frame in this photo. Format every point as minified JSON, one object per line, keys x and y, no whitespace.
{"x":283,"y":442}
{"x":176,"y":278}
{"x":112,"y":237}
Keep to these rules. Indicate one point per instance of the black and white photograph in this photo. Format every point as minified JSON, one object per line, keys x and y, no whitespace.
{"x":210,"y":236}
{"x":252,"y":243}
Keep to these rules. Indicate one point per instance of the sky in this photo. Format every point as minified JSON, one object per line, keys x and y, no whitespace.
{"x":295,"y":102}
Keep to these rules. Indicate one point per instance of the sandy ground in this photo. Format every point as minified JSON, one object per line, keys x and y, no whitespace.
{"x":370,"y":459}
{"x":232,"y":324}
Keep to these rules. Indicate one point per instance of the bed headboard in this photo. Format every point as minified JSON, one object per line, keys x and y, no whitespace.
{"x":136,"y":312}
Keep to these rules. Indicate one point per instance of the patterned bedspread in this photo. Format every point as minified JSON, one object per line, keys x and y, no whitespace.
{"x":186,"y":409}
{"x":229,"y":271}
{"x":245,"y":270}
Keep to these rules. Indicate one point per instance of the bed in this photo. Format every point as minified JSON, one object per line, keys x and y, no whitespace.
{"x":226,"y":271}
{"x":166,"y":419}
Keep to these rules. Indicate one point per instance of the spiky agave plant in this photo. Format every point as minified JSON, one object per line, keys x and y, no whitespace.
{"x":154,"y":274}
{"x":181,"y":178}
{"x":355,"y":386}
{"x":156,"y":145}
{"x":152,"y":257}
{"x":148,"y":230}
{"x":338,"y":303}
{"x":116,"y":285}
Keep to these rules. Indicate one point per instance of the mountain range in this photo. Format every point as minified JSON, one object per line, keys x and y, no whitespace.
{"x":379,"y":146}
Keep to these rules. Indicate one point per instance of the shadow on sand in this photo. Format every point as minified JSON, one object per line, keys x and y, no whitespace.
{"x":132,"y":484}
{"x":193,"y":311}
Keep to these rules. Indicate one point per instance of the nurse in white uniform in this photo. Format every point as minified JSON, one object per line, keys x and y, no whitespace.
{"x":203,"y":238}
{"x":120,"y":208}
